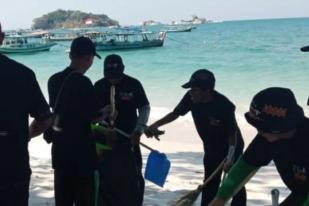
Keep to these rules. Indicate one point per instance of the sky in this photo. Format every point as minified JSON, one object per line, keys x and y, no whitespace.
{"x":16,"y":14}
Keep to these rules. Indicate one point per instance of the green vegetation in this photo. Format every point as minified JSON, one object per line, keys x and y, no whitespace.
{"x":71,"y":19}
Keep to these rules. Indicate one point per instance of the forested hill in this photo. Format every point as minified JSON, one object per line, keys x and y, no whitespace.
{"x":72,"y":19}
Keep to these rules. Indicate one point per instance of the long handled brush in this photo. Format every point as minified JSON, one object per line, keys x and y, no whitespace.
{"x":190,"y":198}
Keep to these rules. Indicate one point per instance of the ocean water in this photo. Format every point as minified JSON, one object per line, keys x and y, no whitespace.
{"x":245,"y":56}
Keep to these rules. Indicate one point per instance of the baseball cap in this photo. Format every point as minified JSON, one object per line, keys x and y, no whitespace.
{"x":82,"y":46}
{"x":201,"y":78}
{"x":274,"y":110}
{"x":305,"y":49}
{"x":113,"y":66}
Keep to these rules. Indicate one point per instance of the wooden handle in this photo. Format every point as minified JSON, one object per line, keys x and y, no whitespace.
{"x":214,"y":173}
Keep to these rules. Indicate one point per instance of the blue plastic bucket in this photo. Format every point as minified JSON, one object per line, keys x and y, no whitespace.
{"x":157,"y":168}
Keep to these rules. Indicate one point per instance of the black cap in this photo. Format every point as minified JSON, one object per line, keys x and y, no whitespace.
{"x":113,"y":66}
{"x":83,"y":46}
{"x":274,"y":110}
{"x":305,"y":49}
{"x":202,"y":78}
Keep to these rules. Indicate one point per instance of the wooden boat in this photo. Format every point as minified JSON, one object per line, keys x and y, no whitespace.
{"x":177,"y":29}
{"x":62,"y":36}
{"x":25,"y":44}
{"x":132,"y":40}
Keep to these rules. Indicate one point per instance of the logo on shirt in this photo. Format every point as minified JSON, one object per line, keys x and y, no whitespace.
{"x":126,"y":96}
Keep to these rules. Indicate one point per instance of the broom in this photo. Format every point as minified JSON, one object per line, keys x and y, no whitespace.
{"x":190,"y":198}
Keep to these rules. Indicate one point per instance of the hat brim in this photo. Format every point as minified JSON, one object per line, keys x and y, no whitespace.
{"x":187,"y":85}
{"x":195,"y":84}
{"x":97,"y":55}
{"x":254,"y":122}
{"x":305,"y":49}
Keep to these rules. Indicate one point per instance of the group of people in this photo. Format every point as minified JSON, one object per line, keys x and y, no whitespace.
{"x":83,"y":116}
{"x":78,"y":107}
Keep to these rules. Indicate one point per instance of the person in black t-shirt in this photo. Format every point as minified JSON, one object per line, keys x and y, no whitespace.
{"x":121,"y":174}
{"x":21,"y":96}
{"x":283,"y":137}
{"x":214,"y":119}
{"x":72,"y":97}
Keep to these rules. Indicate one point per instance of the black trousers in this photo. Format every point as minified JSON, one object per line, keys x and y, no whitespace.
{"x":211,"y":162}
{"x":72,"y":189}
{"x":15,"y":194}
{"x":119,"y":178}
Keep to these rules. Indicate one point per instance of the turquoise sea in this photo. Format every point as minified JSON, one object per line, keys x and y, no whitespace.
{"x":245,"y":56}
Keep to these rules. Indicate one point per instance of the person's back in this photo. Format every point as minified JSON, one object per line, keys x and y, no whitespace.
{"x":20,"y":97}
{"x":73,"y":149}
{"x":16,"y":87}
{"x":73,"y":100}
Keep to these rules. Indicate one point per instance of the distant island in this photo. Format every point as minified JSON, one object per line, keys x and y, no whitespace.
{"x":72,"y":19}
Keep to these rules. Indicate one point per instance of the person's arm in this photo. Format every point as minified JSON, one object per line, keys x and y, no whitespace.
{"x":38,"y":127}
{"x":170,"y":117}
{"x":232,"y":131}
{"x":153,"y":131}
{"x":141,"y":124}
{"x":231,"y":125}
{"x":183,"y":107}
{"x":256,"y":155}
{"x":143,"y":116}
{"x":238,"y":176}
{"x":38,"y":109}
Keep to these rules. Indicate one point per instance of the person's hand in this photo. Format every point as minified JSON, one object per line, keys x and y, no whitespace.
{"x":135,"y":137}
{"x":153,"y":131}
{"x":217,"y":202}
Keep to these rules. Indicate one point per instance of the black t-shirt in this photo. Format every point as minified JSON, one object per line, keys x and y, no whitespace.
{"x":21,"y":96}
{"x":289,"y":156}
{"x":129,"y":96}
{"x":73,"y":148}
{"x":214,"y":121}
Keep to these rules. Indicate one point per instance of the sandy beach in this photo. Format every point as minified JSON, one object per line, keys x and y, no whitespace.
{"x":183,"y":148}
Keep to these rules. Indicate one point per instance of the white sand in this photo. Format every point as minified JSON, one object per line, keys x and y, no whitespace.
{"x":183,"y":148}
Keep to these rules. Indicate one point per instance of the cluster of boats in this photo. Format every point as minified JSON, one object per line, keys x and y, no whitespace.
{"x":103,"y":41}
{"x":107,"y":40}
